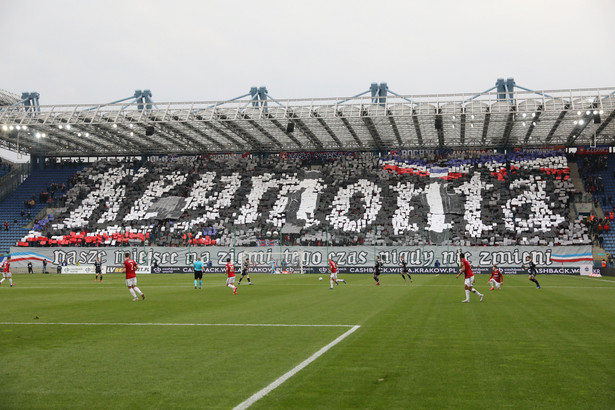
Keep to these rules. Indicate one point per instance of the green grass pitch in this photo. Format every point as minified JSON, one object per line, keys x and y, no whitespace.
{"x":417,"y":345}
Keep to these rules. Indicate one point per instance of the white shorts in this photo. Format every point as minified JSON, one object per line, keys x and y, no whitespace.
{"x":131,"y":282}
{"x":469,"y":282}
{"x":7,"y":275}
{"x":230,"y":281}
{"x":333,"y":276}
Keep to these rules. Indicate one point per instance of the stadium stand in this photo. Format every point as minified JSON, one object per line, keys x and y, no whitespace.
{"x":347,"y":199}
{"x":598,"y":172}
{"x":31,"y":197}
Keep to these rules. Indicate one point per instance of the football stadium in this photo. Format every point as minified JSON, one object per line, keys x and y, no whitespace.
{"x":380,"y":250}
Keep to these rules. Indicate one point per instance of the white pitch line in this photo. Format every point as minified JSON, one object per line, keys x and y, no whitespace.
{"x":168,"y":324}
{"x":597,"y":279}
{"x":262,"y":393}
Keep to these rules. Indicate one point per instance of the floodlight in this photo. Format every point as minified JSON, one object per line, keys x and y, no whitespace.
{"x":17,"y":127}
{"x":581,"y":122}
{"x":23,"y":127}
{"x":132,"y":133}
{"x":575,"y":122}
{"x":78,"y":134}
{"x":38,"y":135}
{"x":601,"y":112}
{"x":114,"y":125}
{"x":453,"y":117}
{"x":578,"y":112}
{"x":43,"y":135}
{"x":87,"y":134}
{"x":11,"y":128}
{"x":534,"y":123}
{"x":60,"y":126}
{"x":68,"y":126}
{"x":595,"y":112}
{"x":524,"y":123}
{"x":5,"y":128}
{"x":533,"y":114}
{"x":523,"y":115}
{"x":131,"y":125}
{"x":587,"y":112}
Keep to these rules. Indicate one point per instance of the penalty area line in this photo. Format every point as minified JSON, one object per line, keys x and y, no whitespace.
{"x":276,"y":383}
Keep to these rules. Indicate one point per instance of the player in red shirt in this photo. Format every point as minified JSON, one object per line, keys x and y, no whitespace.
{"x":496,"y":278}
{"x":230,"y":275}
{"x":130,"y":268}
{"x":333,"y":274}
{"x":466,"y":269}
{"x":6,"y":271}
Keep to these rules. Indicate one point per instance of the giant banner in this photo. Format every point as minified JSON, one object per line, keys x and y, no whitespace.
{"x":358,"y":259}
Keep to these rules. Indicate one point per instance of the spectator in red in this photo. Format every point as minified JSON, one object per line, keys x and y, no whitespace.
{"x":6,"y":226}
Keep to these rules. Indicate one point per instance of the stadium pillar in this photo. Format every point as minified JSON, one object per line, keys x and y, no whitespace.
{"x":505,"y":89}
{"x":143,"y":159}
{"x":37,"y":162}
{"x":379,"y":93}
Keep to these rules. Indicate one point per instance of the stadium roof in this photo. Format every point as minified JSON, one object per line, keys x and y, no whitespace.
{"x":460,"y":121}
{"x":8,"y":98}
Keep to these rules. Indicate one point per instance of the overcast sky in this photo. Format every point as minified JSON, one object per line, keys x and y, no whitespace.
{"x":85,"y":51}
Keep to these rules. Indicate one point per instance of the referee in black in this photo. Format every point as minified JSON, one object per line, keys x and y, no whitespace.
{"x":377,"y":268}
{"x":531,"y":269}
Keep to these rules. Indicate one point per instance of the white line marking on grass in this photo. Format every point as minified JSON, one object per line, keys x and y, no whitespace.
{"x":168,"y":324}
{"x":262,"y":393}
{"x":599,"y":280}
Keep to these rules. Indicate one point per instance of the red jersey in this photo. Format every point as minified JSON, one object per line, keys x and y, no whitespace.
{"x":230,"y":269}
{"x":131,"y":268}
{"x":497,"y":275}
{"x":332,"y":266}
{"x":7,"y":266}
{"x":468,"y":270}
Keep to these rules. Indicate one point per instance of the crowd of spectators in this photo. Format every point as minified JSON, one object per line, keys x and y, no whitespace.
{"x":53,"y":188}
{"x":594,"y":184}
{"x":214,"y":221}
{"x":63,"y":163}
{"x":598,"y":228}
{"x":591,"y":164}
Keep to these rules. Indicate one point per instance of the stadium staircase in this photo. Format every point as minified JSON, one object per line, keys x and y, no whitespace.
{"x":575,"y":177}
{"x":11,"y":207}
